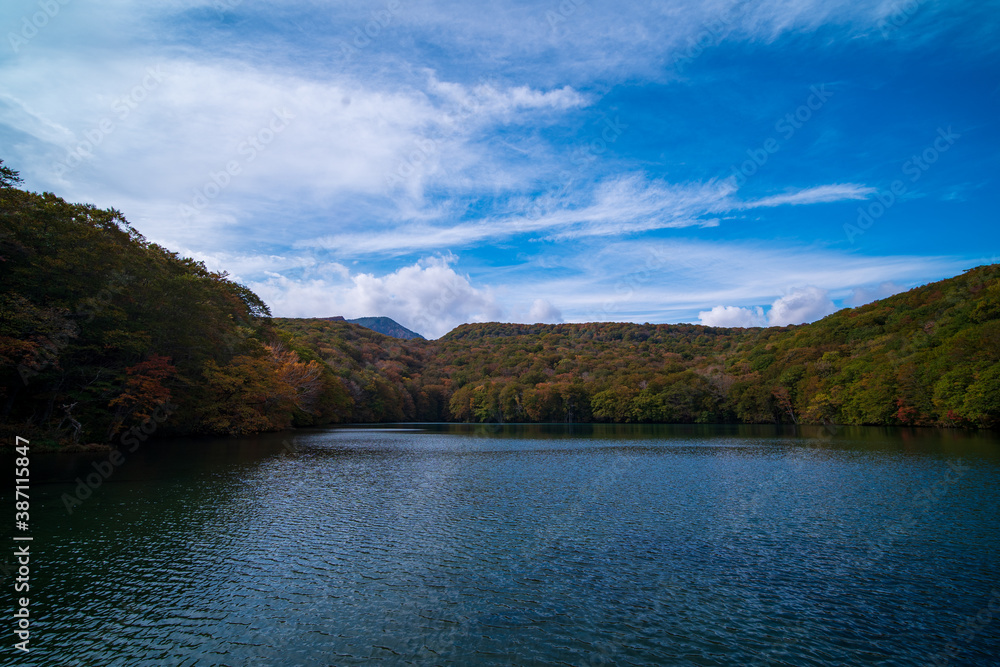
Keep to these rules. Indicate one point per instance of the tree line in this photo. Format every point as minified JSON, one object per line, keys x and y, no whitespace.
{"x":101,"y":329}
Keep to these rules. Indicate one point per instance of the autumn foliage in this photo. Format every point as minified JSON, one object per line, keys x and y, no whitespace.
{"x":99,"y":328}
{"x":927,"y":357}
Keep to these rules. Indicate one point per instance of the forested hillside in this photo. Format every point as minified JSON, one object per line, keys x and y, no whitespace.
{"x":380,"y":374}
{"x":103,"y":334}
{"x":930,"y":356}
{"x":927,"y":356}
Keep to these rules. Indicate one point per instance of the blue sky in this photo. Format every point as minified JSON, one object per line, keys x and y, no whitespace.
{"x":731,"y":162}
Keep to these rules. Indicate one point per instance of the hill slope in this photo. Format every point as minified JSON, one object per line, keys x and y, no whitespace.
{"x":930,"y":356}
{"x":102,"y":332}
{"x":927,"y":356}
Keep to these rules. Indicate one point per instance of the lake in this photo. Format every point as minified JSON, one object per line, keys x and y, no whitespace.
{"x":525,"y":545}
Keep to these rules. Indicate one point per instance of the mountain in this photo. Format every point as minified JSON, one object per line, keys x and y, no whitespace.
{"x":386,"y":326}
{"x":926,"y":357}
{"x":106,"y":337}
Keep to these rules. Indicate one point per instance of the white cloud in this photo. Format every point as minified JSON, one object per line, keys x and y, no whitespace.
{"x":429,"y":297}
{"x":661,"y":280}
{"x":478,"y":102}
{"x":801,"y":305}
{"x":623,"y":204}
{"x":587,"y":41}
{"x":620,"y":205}
{"x":733,"y":316}
{"x":18,"y":115}
{"x":378,"y":158}
{"x":543,"y":311}
{"x":822,"y":194}
{"x":805,"y":304}
{"x":443,"y":119}
{"x":244,"y":267}
{"x":868,"y":293}
{"x":368,"y":146}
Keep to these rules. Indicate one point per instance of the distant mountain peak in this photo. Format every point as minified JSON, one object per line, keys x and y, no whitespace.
{"x":386,"y":326}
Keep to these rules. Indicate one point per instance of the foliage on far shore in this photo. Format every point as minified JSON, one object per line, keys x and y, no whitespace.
{"x":926,"y":357}
{"x":101,"y":331}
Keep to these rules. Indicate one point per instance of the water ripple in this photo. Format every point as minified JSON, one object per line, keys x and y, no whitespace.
{"x":410,"y":547}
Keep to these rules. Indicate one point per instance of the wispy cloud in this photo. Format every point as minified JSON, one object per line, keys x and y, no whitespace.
{"x":460,"y":127}
{"x":822,"y":194}
{"x":626,"y":204}
{"x":666,"y":281}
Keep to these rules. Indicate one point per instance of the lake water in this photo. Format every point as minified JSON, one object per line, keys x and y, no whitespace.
{"x":523,"y":545}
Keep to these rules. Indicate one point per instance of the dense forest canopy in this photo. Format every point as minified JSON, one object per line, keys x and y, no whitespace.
{"x":103,"y":333}
{"x":930,"y":356}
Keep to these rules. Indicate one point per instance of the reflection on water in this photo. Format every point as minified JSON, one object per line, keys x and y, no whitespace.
{"x":580,"y":545}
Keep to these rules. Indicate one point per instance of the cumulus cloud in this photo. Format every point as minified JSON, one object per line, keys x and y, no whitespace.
{"x":801,"y":305}
{"x":805,"y":304}
{"x":733,"y":316}
{"x":866,"y":294}
{"x":543,"y":311}
{"x":429,"y":297}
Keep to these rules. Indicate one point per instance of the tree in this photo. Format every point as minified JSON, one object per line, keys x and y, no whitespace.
{"x":982,"y":401}
{"x":304,"y":379}
{"x":240,"y":397}
{"x":144,"y":391}
{"x":8,"y":177}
